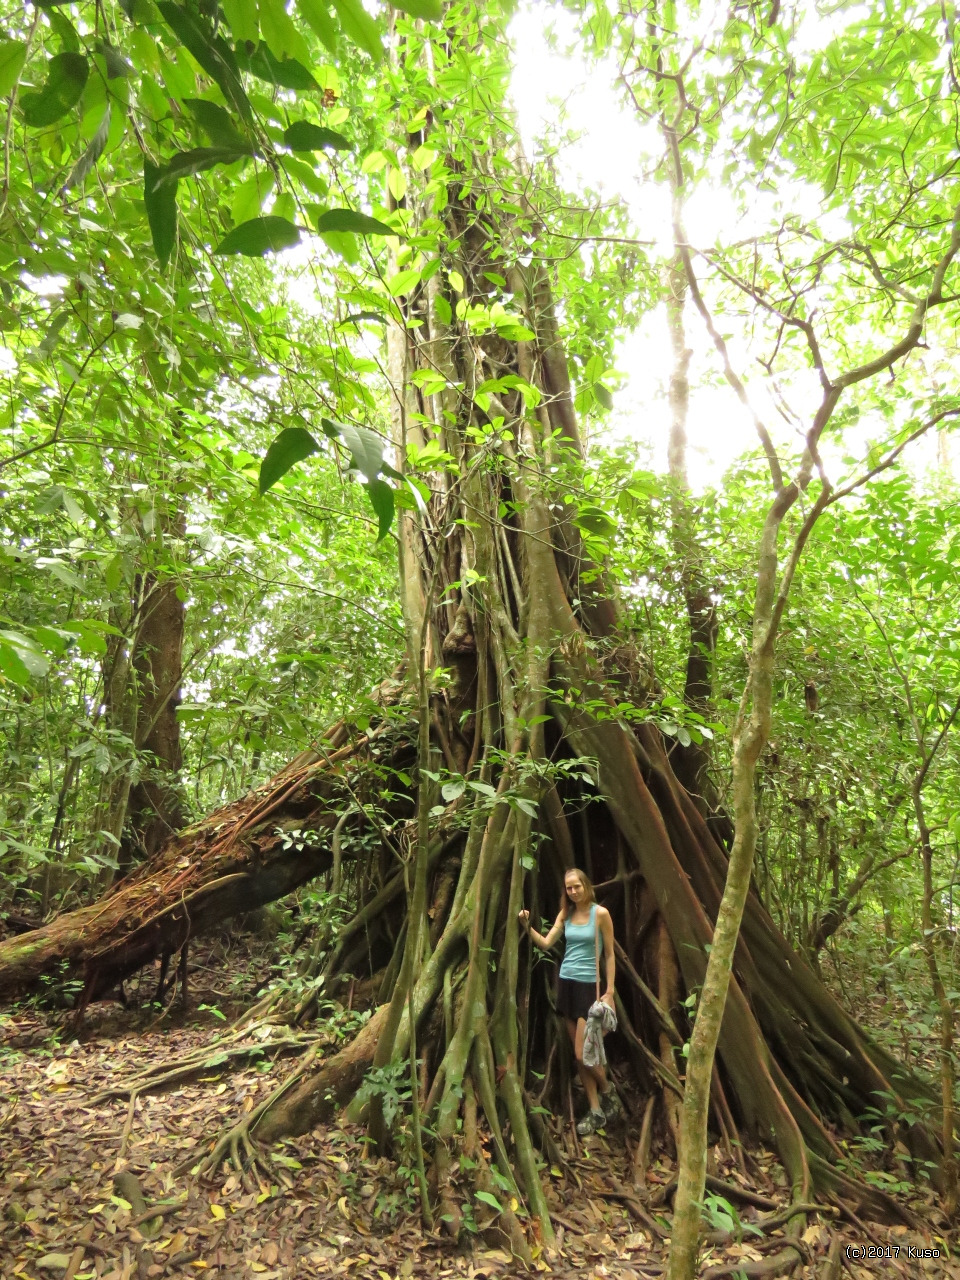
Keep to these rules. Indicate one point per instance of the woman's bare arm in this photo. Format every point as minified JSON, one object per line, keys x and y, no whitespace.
{"x":541,"y":940}
{"x":606,"y":932}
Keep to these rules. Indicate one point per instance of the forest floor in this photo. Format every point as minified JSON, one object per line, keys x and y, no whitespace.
{"x":328,"y":1208}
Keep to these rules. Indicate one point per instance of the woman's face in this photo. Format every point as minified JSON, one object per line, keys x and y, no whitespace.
{"x":574,"y":887}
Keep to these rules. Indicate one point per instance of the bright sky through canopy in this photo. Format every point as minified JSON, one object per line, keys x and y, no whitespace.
{"x":604,"y":153}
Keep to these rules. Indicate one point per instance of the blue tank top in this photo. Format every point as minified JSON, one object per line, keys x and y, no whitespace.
{"x":580,"y":956}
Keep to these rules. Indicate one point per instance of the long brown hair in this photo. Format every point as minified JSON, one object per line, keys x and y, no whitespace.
{"x":589,"y":894}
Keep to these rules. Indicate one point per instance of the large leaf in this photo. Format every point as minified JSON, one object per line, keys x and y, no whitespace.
{"x":381,"y":499}
{"x":186,"y":163}
{"x":359,"y":27}
{"x":20,"y":658}
{"x":13,"y":54}
{"x":316,"y":14}
{"x":288,"y":73}
{"x":259,"y":236}
{"x":92,"y":153}
{"x":429,"y":10}
{"x":351,"y":220}
{"x":242,"y":18}
{"x":211,"y":51}
{"x":66,"y":80}
{"x":291,"y":446}
{"x":303,"y":135}
{"x":160,"y":200}
{"x":217,"y":124}
{"x":280,"y":33}
{"x":365,"y":446}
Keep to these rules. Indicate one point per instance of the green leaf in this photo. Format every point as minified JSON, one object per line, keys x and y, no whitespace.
{"x":365,"y":446}
{"x":489,"y":1199}
{"x":280,"y":33}
{"x":160,"y":201}
{"x":187,"y":163}
{"x":288,"y":73}
{"x":241,"y":15}
{"x":251,"y":195}
{"x":351,"y":220}
{"x":217,"y":124}
{"x":211,"y":51}
{"x":66,"y":80}
{"x":13,"y":54}
{"x":453,"y":790}
{"x":92,"y":153}
{"x":361,"y":315}
{"x":118,"y":68}
{"x":20,"y":658}
{"x":429,"y":10}
{"x":359,"y":27}
{"x":381,"y":499}
{"x":303,"y":135}
{"x":259,"y":236}
{"x":316,"y":14}
{"x":291,"y":446}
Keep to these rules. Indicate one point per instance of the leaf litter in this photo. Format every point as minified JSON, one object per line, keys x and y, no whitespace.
{"x":71,"y":1142}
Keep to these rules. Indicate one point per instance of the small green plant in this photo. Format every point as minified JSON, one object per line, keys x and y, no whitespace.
{"x":391,"y":1086}
{"x":722,"y":1216}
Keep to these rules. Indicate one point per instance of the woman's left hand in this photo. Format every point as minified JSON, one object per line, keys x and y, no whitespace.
{"x":607,"y":998}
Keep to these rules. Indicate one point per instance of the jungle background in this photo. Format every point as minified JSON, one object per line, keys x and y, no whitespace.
{"x":308,"y":352}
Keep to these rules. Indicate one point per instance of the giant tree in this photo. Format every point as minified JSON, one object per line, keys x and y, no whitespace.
{"x":521,"y":700}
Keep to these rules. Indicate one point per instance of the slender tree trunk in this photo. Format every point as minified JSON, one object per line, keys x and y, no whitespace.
{"x":155,"y":809}
{"x":948,"y":1190}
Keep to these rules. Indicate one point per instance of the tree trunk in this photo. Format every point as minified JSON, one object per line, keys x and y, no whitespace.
{"x":155,"y":806}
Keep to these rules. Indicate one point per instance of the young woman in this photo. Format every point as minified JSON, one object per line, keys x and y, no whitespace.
{"x":579,"y":918}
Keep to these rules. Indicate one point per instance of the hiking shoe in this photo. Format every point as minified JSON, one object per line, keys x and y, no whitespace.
{"x":611,"y":1104}
{"x":590,"y":1123}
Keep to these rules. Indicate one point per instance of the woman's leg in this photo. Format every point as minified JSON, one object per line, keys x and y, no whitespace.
{"x":594,"y":1079}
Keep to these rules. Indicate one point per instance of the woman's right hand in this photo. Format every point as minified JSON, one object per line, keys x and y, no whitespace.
{"x":524,"y":918}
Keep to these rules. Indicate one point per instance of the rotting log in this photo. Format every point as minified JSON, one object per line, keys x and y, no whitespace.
{"x":249,"y":853}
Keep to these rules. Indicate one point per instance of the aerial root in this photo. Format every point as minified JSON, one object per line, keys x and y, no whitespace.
{"x":215,"y":1060}
{"x":236,"y":1146}
{"x":781,"y":1264}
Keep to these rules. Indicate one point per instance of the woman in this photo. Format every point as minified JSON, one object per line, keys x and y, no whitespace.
{"x":580,"y":918}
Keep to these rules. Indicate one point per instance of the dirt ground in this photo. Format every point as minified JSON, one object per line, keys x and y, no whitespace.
{"x":326,"y":1208}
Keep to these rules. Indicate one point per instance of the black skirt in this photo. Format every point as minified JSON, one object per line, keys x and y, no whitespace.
{"x":575,"y":998}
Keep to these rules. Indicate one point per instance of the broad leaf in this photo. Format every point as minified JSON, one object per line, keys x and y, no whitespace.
{"x":66,"y":80}
{"x":288,"y":73}
{"x":359,"y":27}
{"x":429,"y":10}
{"x":280,"y":33}
{"x":259,"y":236}
{"x":20,"y":658}
{"x":187,"y":163}
{"x":381,"y":499}
{"x":303,"y":135}
{"x":365,"y":446}
{"x":316,"y":14}
{"x":351,"y":220}
{"x":242,"y":18}
{"x":13,"y":54}
{"x":211,"y":51}
{"x":217,"y":124}
{"x":375,"y":316}
{"x":160,"y":201}
{"x":291,"y":446}
{"x":92,"y":153}
{"x":489,"y":1199}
